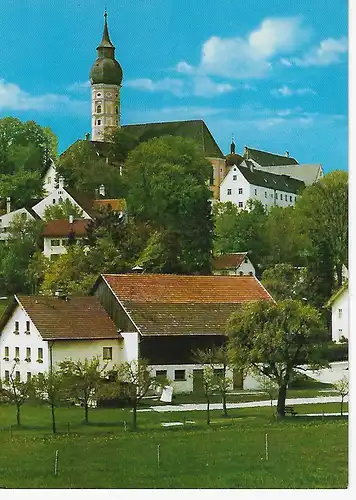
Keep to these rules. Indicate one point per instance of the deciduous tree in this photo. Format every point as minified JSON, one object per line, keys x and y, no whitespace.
{"x":15,"y":392}
{"x":166,"y":181}
{"x":83,"y":379}
{"x":275,"y":338}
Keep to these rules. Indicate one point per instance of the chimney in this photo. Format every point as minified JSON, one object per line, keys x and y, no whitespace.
{"x":61,"y":182}
{"x":286,"y":154}
{"x":102,"y":190}
{"x":71,"y":219}
{"x":8,"y":205}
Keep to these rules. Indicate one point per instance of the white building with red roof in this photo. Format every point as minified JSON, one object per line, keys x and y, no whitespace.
{"x":233,"y":264}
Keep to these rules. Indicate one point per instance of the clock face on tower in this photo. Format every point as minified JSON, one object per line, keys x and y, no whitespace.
{"x":108,"y":94}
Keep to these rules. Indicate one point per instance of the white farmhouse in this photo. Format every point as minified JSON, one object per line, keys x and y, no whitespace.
{"x":58,"y":234}
{"x":339,"y":304}
{"x":7,"y":219}
{"x":233,"y":264}
{"x":37,"y":332}
{"x":243,"y":183}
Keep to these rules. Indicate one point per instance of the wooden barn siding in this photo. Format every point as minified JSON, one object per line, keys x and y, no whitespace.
{"x":113,"y":308}
{"x":174,"y":349}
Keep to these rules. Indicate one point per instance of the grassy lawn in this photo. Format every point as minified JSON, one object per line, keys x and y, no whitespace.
{"x":303,"y":452}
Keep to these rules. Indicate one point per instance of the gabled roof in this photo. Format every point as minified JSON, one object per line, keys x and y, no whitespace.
{"x":264,"y":158}
{"x":309,"y":173}
{"x":229,"y":260}
{"x":59,"y":319}
{"x":62,"y":227}
{"x":272,"y":181}
{"x":337,"y":294}
{"x":83,"y":200}
{"x":192,"y":129}
{"x":163,"y":304}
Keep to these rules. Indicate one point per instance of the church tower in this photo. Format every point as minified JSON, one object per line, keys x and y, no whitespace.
{"x":105,"y":80}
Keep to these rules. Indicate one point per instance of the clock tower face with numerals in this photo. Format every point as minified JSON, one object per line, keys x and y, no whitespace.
{"x":105,"y":79}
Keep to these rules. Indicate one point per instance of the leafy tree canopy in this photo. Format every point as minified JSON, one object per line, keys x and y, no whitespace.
{"x":275,"y":338}
{"x":167,"y":180}
{"x":62,"y":210}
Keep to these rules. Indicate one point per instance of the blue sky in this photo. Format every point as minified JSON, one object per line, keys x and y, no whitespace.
{"x":271,"y":72}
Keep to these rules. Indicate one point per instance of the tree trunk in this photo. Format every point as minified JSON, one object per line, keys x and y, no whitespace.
{"x":208,"y":412}
{"x":281,"y":403}
{"x":18,"y":415}
{"x":86,"y":411}
{"x":224,"y":404}
{"x":134,"y":416}
{"x":342,"y":403}
{"x":53,"y":419}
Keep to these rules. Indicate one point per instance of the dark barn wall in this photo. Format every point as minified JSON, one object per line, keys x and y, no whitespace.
{"x":176,"y":349}
{"x":113,"y":308}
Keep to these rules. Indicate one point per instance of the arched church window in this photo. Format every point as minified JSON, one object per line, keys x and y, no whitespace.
{"x":117,"y":110}
{"x":98,"y":108}
{"x":98,"y":122}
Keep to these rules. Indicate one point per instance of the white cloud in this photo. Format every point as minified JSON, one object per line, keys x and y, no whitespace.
{"x":328,"y":52}
{"x":249,"y":57}
{"x":173,"y":85}
{"x":79,"y":86}
{"x":12,"y":97}
{"x":286,"y":91}
{"x":202,"y":86}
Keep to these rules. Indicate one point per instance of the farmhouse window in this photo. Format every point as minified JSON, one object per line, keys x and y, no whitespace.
{"x":17,"y":327}
{"x":161,"y":373}
{"x":107,"y":352}
{"x":281,"y":196}
{"x":219,"y":372}
{"x":179,"y":375}
{"x":340,"y":313}
{"x":265,"y":194}
{"x":17,"y":352}
{"x":240,"y":191}
{"x":40,"y":354}
{"x":241,"y":273}
{"x":6,"y":351}
{"x":28,"y":325}
{"x":28,"y":354}
{"x":17,"y":376}
{"x":7,"y":375}
{"x":29,"y":376}
{"x":55,"y":243}
{"x":290,"y":198}
{"x":229,"y":191}
{"x":286,"y":197}
{"x":256,"y":192}
{"x":234,"y":177}
{"x":241,"y":204}
{"x":276,"y":195}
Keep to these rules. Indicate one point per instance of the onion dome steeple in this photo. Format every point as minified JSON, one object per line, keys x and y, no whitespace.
{"x":106,"y":69}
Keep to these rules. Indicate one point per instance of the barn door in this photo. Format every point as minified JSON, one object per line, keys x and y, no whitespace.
{"x":198,"y":381}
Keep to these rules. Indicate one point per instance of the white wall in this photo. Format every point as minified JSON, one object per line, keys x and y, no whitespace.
{"x":131,"y":346}
{"x":108,"y":96}
{"x":56,"y":196}
{"x":22,"y":340}
{"x":82,"y":349}
{"x":49,"y":181}
{"x":340,"y":317}
{"x":183,"y":386}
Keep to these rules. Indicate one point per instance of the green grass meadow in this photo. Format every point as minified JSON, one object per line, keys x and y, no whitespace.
{"x":230,"y":453}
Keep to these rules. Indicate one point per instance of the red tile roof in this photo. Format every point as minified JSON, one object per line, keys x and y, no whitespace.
{"x":76,"y":318}
{"x":229,"y":260}
{"x":173,"y":289}
{"x":115,"y":204}
{"x":62,"y":227}
{"x":162,"y":304}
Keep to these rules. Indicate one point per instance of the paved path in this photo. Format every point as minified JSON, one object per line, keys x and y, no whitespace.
{"x":250,"y":404}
